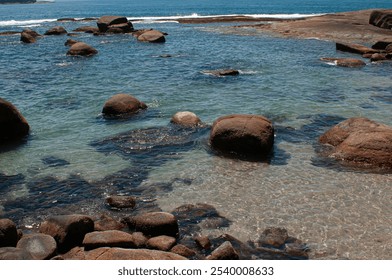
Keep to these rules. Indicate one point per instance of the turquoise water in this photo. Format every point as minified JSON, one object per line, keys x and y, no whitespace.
{"x":70,"y":162}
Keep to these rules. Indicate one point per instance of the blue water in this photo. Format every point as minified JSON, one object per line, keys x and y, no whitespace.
{"x":73,"y":160}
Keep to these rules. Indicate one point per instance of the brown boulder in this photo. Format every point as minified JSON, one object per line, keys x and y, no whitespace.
{"x":120,"y":201}
{"x":275,"y":237}
{"x":186,"y":119}
{"x":250,"y":135}
{"x":203,"y":242}
{"x":106,"y":222}
{"x":355,"y":48}
{"x":81,"y":49}
{"x":154,"y":224}
{"x":345,"y":62}
{"x":225,"y":251}
{"x":109,"y":238}
{"x":130,"y":254}
{"x":122,"y":104}
{"x":70,"y":42}
{"x":182,"y":250}
{"x":40,"y":246}
{"x":139,"y":239}
{"x":381,"y":18}
{"x":152,"y":36}
{"x":8,"y":233}
{"x":12,"y":253}
{"x":86,"y":29}
{"x":162,"y":243}
{"x":67,"y":230}
{"x":378,"y":57}
{"x":360,"y":142}
{"x":104,"y":23}
{"x":13,"y":126}
{"x":57,"y":30}
{"x":29,"y":36}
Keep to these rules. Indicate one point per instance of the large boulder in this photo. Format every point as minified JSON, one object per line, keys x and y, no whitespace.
{"x":186,"y":119}
{"x":13,"y":126}
{"x":360,"y":142}
{"x":109,"y":238}
{"x":57,"y":30}
{"x":154,"y":224}
{"x":122,"y":104}
{"x":8,"y":233}
{"x":381,"y":18}
{"x":40,"y":246}
{"x":81,"y":49}
{"x":67,"y":230}
{"x":152,"y":36}
{"x":250,"y":135}
{"x":112,"y":24}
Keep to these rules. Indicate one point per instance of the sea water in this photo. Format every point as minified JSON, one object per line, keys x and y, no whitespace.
{"x":72,"y":160}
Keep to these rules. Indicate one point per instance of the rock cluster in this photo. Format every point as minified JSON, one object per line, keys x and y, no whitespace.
{"x":114,"y":24}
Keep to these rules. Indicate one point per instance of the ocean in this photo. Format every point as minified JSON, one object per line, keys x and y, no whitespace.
{"x":73,"y":158}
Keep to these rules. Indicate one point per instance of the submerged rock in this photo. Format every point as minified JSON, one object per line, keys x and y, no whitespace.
{"x":120,"y":201}
{"x":57,"y":30}
{"x":122,"y":105}
{"x":275,"y":237}
{"x":249,"y":135}
{"x":13,"y":126}
{"x":224,"y":252}
{"x":86,"y":29}
{"x":360,"y":142}
{"x":223,"y":72}
{"x":345,"y":62}
{"x":186,"y":119}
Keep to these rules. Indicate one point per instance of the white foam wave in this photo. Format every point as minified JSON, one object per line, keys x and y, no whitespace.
{"x":25,"y":22}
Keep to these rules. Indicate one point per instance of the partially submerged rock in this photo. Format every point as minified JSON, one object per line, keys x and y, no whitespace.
{"x":223,"y":72}
{"x":186,"y":119}
{"x":81,"y":49}
{"x":114,"y":24}
{"x":345,"y":62}
{"x":152,"y":36}
{"x":121,"y":105}
{"x":13,"y":126}
{"x":120,"y":201}
{"x":87,"y":29}
{"x":29,"y":36}
{"x":249,"y":135}
{"x":57,"y":30}
{"x":360,"y":142}
{"x":354,"y":48}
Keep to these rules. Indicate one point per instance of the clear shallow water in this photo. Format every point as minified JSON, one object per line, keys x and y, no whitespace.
{"x":340,"y":213}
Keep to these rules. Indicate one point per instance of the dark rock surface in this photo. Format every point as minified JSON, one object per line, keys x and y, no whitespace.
{"x":154,"y":224}
{"x":8,"y":233}
{"x":13,"y":126}
{"x":121,"y":105}
{"x":152,"y":36}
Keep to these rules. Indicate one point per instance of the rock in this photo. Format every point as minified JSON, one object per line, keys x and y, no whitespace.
{"x":360,"y":142}
{"x":40,"y":246}
{"x":105,"y":23}
{"x":70,"y":42}
{"x":152,"y":36}
{"x":76,"y":253}
{"x":120,"y":201}
{"x":122,"y":104}
{"x":203,"y":242}
{"x":388,"y":49}
{"x":29,"y":36}
{"x":13,"y":126}
{"x":381,"y":18}
{"x":67,"y":230}
{"x":296,"y":249}
{"x":381,"y":45}
{"x":154,"y":224}
{"x":109,"y":238}
{"x":378,"y":57}
{"x":130,"y":254}
{"x":250,"y":135}
{"x":275,"y":237}
{"x":81,"y":49}
{"x":139,"y":32}
{"x":11,"y":253}
{"x":8,"y":233}
{"x":182,"y":250}
{"x":57,"y":30}
{"x":186,"y":119}
{"x":224,"y":252}
{"x":223,"y":72}
{"x":66,"y":19}
{"x":86,"y":29}
{"x":139,"y":239}
{"x":106,"y":222}
{"x":162,"y":243}
{"x":345,"y":62}
{"x":9,"y":33}
{"x":354,"y":48}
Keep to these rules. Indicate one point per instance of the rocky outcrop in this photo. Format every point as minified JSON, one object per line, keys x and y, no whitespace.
{"x":381,"y":18}
{"x":122,"y":105}
{"x":13,"y":126}
{"x":40,"y":246}
{"x":57,"y":30}
{"x":8,"y":233}
{"x":186,"y":119}
{"x":81,"y":49}
{"x":152,"y":36}
{"x":67,"y":230}
{"x":360,"y":142}
{"x":345,"y":62}
{"x":154,"y":224}
{"x":249,"y":135}
{"x":29,"y":36}
{"x":114,"y":24}
{"x":354,"y":48}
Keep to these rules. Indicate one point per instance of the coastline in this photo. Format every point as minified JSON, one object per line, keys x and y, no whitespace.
{"x":348,"y":26}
